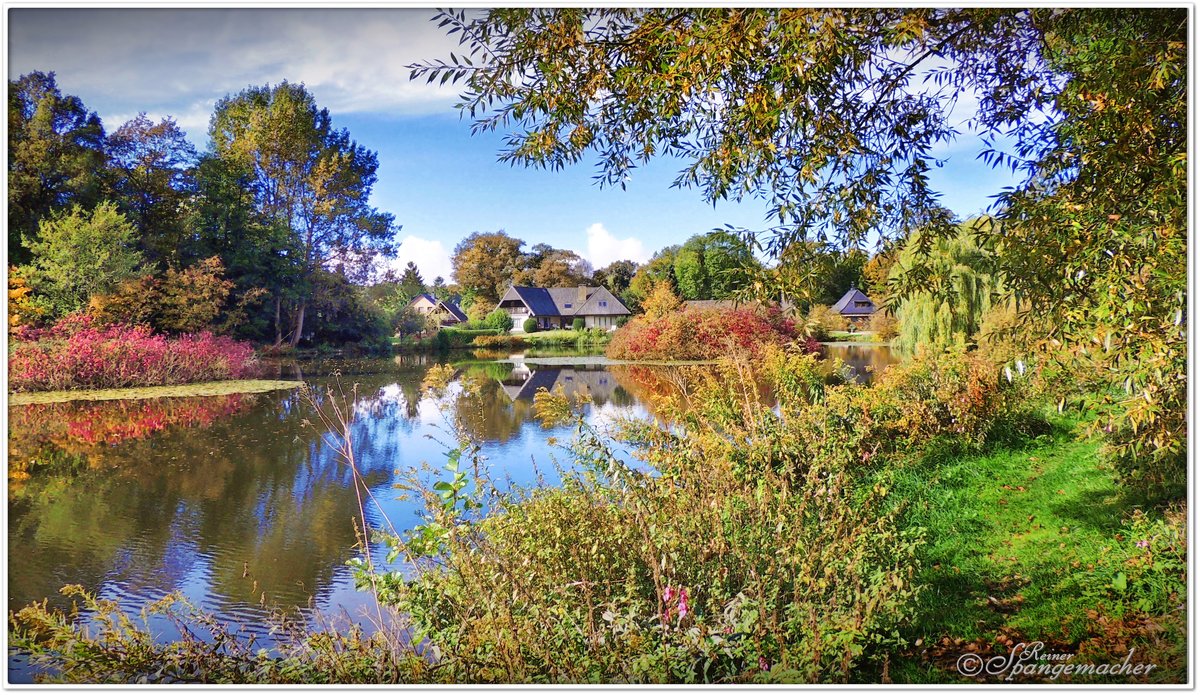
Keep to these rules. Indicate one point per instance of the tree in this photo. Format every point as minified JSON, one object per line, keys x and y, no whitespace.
{"x":547,"y":266}
{"x":661,"y":301}
{"x":616,"y":276}
{"x":55,"y":156}
{"x":259,"y":253}
{"x":150,"y":164}
{"x":875,"y":273}
{"x":411,"y":283}
{"x":713,"y":266}
{"x":439,"y":289}
{"x":831,"y":117}
{"x":966,"y":264}
{"x":485,"y":264}
{"x":79,"y":254}
{"x":310,"y":179}
{"x":660,"y":268}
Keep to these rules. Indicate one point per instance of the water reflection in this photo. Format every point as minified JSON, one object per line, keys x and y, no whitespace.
{"x":865,"y":362}
{"x":234,"y":501}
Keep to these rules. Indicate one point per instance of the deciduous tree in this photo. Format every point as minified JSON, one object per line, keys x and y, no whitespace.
{"x":485,"y":264}
{"x":55,"y":156}
{"x":150,"y":165}
{"x":78,"y":254}
{"x":309,"y":178}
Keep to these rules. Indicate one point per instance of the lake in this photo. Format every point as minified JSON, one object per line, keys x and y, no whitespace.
{"x":240,"y":506}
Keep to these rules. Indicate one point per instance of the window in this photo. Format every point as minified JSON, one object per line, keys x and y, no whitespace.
{"x":566,"y":306}
{"x":603,"y":303}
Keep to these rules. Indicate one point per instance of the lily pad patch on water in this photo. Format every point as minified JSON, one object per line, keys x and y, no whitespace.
{"x":212,"y":388}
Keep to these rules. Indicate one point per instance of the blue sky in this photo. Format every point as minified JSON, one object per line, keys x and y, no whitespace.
{"x":439,"y":181}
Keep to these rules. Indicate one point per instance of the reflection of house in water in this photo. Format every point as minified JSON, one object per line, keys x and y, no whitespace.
{"x":525,"y":380}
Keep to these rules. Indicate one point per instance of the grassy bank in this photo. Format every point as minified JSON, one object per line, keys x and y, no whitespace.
{"x":1037,"y":542}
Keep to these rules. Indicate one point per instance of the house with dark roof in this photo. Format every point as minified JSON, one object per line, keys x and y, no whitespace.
{"x":558,"y":307}
{"x":428,"y":304}
{"x":855,"y":307}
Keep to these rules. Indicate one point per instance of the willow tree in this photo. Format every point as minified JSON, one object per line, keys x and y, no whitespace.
{"x":937,"y":320}
{"x":832,"y":116}
{"x":310,"y":179}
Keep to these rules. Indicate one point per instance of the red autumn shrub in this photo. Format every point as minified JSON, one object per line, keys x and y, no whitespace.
{"x":76,"y":354}
{"x":695,"y":334}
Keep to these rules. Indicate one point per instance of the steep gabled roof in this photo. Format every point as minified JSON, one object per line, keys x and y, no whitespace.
{"x":591,"y":303}
{"x":448,"y":305}
{"x":567,"y":301}
{"x":847,"y":304}
{"x":454,"y":310}
{"x":536,"y":298}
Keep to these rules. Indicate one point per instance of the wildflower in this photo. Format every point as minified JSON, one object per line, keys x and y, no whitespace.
{"x":683,"y":602}
{"x":763,"y":664}
{"x":1143,"y":543}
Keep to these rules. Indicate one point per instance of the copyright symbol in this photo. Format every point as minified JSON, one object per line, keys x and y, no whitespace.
{"x":970,"y":664}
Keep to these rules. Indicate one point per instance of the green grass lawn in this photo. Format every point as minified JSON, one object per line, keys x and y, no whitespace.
{"x":1025,"y":544}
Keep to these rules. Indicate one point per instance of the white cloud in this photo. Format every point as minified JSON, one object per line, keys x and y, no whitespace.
{"x":179,"y":61}
{"x":430,"y":255}
{"x":604,"y":248}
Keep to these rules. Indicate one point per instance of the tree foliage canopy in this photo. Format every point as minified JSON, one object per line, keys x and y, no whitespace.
{"x":831,"y":117}
{"x":55,"y":156}
{"x":79,"y":254}
{"x":307,"y":177}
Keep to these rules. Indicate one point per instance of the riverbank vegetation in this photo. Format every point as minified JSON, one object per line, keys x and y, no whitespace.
{"x":76,"y":353}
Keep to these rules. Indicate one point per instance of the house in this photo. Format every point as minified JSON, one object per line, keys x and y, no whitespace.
{"x":524,"y":382}
{"x":558,"y":307}
{"x":428,"y":304}
{"x":855,"y":307}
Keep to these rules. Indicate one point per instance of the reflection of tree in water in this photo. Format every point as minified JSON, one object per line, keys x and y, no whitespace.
{"x":867,"y":362}
{"x":257,"y":488}
{"x":240,"y":481}
{"x":40,"y":432}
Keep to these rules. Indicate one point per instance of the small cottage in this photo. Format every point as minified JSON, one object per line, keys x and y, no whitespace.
{"x":426,"y":304}
{"x":855,"y":307}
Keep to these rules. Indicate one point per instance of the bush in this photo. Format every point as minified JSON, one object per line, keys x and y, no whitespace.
{"x":461,"y":337}
{"x":884,"y":325}
{"x":700,"y":334}
{"x":577,"y":325}
{"x":75,"y":354}
{"x":180,"y":301}
{"x":822,"y":320}
{"x":530,"y":325}
{"x":500,"y":320}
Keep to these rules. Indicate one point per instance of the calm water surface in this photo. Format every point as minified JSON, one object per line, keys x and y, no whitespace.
{"x":235,"y":503}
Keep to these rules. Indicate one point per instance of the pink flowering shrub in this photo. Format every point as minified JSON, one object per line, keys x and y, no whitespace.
{"x":76,"y":354}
